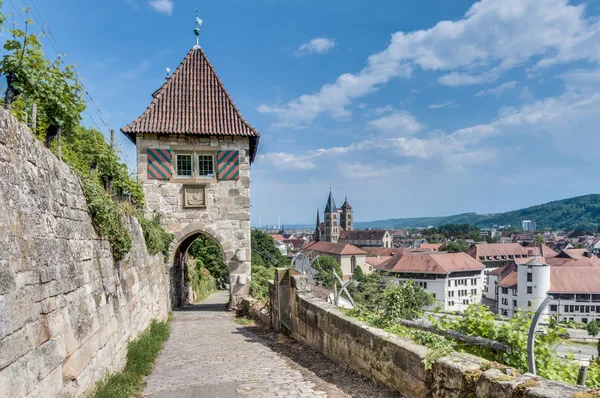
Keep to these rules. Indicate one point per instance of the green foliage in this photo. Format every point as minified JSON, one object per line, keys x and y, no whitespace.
{"x":208,"y":254}
{"x":107,"y":218}
{"x":157,"y":239}
{"x":458,"y":246}
{"x":582,"y":212}
{"x":324,"y":267}
{"x":370,"y":293}
{"x":405,"y":301}
{"x":592,"y":328}
{"x":539,"y":240}
{"x":263,"y":246}
{"x":259,"y":282}
{"x":141,"y":355}
{"x":31,"y":78}
{"x":201,"y":281}
{"x":358,"y":275}
{"x":447,"y":231}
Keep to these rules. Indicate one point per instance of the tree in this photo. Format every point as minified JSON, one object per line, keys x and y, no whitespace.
{"x":208,"y":254}
{"x":592,"y":328}
{"x":31,"y":78}
{"x":539,"y":240}
{"x":458,"y":246}
{"x":263,"y":246}
{"x":405,"y":301}
{"x":370,"y":292}
{"x":324,"y":266}
{"x":358,"y":275}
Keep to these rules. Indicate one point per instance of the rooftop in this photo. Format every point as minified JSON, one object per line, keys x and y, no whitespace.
{"x":431,"y":263}
{"x":193,"y":101}
{"x":334,"y":248}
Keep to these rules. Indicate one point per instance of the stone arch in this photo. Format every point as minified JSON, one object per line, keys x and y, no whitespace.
{"x":236,"y":260}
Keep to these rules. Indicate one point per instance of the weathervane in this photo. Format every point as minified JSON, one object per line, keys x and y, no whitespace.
{"x":197,"y":30}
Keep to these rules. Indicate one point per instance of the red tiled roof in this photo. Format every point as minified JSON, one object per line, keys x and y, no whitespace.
{"x":193,"y":101}
{"x":545,"y":252}
{"x":574,"y":280}
{"x":496,"y":249}
{"x":431,"y":263}
{"x":334,"y":248}
{"x":383,"y":251}
{"x":277,"y":237}
{"x":375,"y":261}
{"x":511,"y":280}
{"x":573,"y":258}
{"x":433,"y":247}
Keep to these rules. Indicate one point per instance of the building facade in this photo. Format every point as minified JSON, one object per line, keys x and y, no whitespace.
{"x":454,"y":279}
{"x":194,"y":151}
{"x":367,"y":238}
{"x":332,"y":218}
{"x":348,"y":256}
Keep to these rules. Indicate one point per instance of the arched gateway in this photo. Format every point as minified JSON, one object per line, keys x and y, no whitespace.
{"x":194,"y":151}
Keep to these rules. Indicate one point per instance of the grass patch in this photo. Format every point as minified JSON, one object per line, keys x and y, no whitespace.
{"x":244,"y":321}
{"x":141,"y":355}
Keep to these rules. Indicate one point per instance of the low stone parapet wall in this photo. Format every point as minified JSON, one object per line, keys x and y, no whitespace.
{"x":398,"y":363}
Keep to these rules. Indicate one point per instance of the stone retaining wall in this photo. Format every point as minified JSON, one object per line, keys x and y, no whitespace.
{"x":67,"y":310}
{"x":398,"y":363}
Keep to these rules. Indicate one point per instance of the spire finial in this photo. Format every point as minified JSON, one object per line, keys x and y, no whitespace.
{"x":197,"y":30}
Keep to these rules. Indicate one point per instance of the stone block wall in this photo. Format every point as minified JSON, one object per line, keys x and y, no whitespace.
{"x":398,"y":363}
{"x":67,"y":310}
{"x":226,"y":215}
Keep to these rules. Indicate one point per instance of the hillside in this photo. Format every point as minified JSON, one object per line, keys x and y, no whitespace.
{"x":581,"y":212}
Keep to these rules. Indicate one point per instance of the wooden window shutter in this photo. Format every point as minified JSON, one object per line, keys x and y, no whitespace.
{"x":228,"y":165}
{"x":159,"y":164}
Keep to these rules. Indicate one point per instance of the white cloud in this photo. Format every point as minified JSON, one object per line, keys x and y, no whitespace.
{"x":319,"y":45}
{"x":476,"y":49}
{"x":162,"y":6}
{"x":442,"y":105}
{"x":497,"y":91}
{"x":399,"y":123}
{"x":287,"y":161}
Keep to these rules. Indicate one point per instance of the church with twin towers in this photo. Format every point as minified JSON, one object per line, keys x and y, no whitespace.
{"x":336,"y":221}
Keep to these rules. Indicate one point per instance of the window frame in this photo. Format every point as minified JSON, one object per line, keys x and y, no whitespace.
{"x":191,"y":156}
{"x":197,"y":168}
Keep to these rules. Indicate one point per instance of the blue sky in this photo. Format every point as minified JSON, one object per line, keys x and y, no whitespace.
{"x":410,"y":108}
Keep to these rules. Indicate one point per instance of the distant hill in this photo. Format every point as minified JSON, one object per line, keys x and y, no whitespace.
{"x":581,"y":212}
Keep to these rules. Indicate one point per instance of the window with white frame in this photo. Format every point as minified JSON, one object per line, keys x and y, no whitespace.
{"x":183,"y":165}
{"x":206,"y":165}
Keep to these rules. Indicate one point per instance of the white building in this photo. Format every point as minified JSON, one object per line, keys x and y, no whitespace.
{"x":454,"y":279}
{"x":367,"y":237}
{"x":528,"y":225}
{"x":572,"y":278}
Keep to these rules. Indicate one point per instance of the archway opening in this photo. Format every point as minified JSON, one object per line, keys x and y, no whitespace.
{"x":199,"y":269}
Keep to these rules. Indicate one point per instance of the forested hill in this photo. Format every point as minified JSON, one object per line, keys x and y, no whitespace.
{"x":581,"y":212}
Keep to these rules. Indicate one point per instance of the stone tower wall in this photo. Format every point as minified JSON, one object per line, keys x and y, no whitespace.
{"x":226,"y":215}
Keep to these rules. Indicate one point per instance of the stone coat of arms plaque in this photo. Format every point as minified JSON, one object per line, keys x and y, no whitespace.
{"x":194,"y":196}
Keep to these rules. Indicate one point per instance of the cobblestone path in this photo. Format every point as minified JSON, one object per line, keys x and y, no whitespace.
{"x":209,"y":355}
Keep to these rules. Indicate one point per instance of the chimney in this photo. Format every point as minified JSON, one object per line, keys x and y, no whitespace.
{"x":588,"y":254}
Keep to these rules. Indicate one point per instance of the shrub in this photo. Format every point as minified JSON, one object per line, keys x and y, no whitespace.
{"x":107,"y":217}
{"x":157,"y":239}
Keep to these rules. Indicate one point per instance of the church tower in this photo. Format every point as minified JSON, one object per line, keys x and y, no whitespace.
{"x":332,"y":231}
{"x":317,"y":234}
{"x":346,"y":216}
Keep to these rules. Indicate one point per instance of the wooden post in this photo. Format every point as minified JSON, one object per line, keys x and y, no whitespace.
{"x":581,"y":376}
{"x":34,"y":117}
{"x":58,"y":142}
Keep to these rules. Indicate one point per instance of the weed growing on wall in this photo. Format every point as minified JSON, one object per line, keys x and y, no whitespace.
{"x":107,"y":218}
{"x":157,"y":239}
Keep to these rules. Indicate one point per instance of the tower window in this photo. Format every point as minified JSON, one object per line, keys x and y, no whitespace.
{"x":184,"y":165}
{"x":529,"y":277}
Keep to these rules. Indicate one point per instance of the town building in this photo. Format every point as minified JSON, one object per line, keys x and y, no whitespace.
{"x":348,"y":256}
{"x":367,"y":238}
{"x":496,"y":255}
{"x":454,"y":279}
{"x":571,"y":278}
{"x":528,"y":225}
